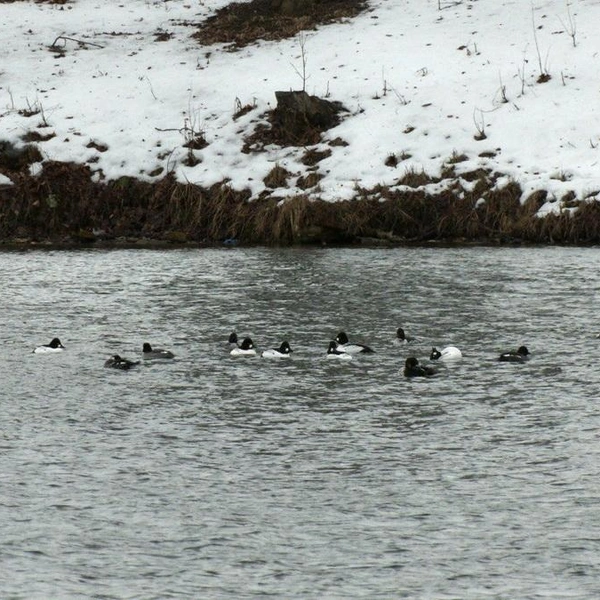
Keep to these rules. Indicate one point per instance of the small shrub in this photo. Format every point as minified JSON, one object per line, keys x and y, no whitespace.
{"x":309,"y":181}
{"x":457,"y":158}
{"x":413,"y":178}
{"x":191,"y":160}
{"x":36,"y":136}
{"x":277,"y":177}
{"x":15,"y":158}
{"x":97,"y":146}
{"x":196,"y":141}
{"x":240,"y":110}
{"x":391,"y":160}
{"x":162,"y":36}
{"x":338,"y":142}
{"x":312,"y":156}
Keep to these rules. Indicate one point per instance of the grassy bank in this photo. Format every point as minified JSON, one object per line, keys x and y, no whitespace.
{"x":63,"y":205}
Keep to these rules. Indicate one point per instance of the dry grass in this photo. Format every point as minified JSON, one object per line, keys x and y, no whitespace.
{"x":312,"y":156}
{"x":277,"y":177}
{"x":240,"y":24}
{"x":63,"y":205}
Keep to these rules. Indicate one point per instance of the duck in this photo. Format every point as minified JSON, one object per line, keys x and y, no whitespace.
{"x":150,"y":352}
{"x":401,"y":337}
{"x":344,"y":345}
{"x":334,"y":352}
{"x":520,"y":355}
{"x":412,"y":368}
{"x":282,"y":352}
{"x":54,"y":346}
{"x":232,"y":342}
{"x":245,"y":349}
{"x":448,"y":353}
{"x":117,"y":362}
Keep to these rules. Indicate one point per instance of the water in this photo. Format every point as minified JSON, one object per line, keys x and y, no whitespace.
{"x":212,"y":477}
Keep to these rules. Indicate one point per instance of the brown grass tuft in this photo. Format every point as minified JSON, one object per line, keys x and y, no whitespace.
{"x":308,"y":181}
{"x":277,"y":177}
{"x":62,"y":204}
{"x":414,"y":178}
{"x":312,"y":156}
{"x":239,"y":24}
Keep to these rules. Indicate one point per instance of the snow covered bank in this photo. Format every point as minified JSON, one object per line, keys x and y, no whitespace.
{"x":434,"y":87}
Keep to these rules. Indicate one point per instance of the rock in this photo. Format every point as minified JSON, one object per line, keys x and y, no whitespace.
{"x":302,"y":118}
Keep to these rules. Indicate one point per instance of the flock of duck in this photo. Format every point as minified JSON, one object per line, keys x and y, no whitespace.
{"x":341,"y":348}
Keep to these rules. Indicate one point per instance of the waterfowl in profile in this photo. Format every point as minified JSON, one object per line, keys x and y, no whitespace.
{"x":401,"y":337}
{"x":150,"y":352}
{"x":449,"y":353}
{"x":520,"y":355}
{"x":344,"y":345}
{"x":412,"y":368}
{"x":53,"y":346}
{"x":282,"y":352}
{"x":117,"y":362}
{"x":334,"y":352}
{"x":245,"y":349}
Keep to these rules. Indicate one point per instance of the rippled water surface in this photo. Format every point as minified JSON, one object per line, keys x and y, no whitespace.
{"x":214,"y":477}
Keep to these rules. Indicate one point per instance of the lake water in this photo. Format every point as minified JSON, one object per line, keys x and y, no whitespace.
{"x":220,"y":478}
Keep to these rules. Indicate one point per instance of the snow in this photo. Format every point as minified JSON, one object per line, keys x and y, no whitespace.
{"x":418,"y":83}
{"x":4,"y":180}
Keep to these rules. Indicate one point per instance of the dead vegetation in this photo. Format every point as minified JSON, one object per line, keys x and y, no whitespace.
{"x":63,"y":205}
{"x":297,"y":120}
{"x":240,"y":24}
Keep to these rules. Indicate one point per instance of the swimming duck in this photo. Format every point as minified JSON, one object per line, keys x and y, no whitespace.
{"x":245,"y":349}
{"x":150,"y":352}
{"x":401,"y":337}
{"x":334,"y":352}
{"x":448,"y":353}
{"x":117,"y":362}
{"x":344,"y":345}
{"x":282,"y":352}
{"x":520,"y":355}
{"x":53,"y":346}
{"x":412,"y":368}
{"x":232,"y":342}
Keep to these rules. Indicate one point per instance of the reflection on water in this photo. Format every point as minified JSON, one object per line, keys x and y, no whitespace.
{"x":213,"y":477}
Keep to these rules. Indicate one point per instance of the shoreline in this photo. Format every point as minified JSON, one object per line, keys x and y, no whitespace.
{"x":62,"y":207}
{"x":22,"y":245}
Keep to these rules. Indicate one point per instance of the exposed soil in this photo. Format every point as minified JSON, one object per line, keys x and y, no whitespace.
{"x":240,"y":24}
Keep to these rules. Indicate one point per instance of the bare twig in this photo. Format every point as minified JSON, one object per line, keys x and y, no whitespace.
{"x":503,"y":97}
{"x":521,"y":75}
{"x":570,"y":25}
{"x":479,"y":121}
{"x":151,"y":88}
{"x":544,"y":75}
{"x":302,"y":73}
{"x":448,"y":4}
{"x":65,"y":38}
